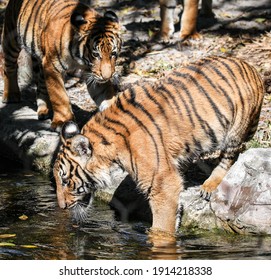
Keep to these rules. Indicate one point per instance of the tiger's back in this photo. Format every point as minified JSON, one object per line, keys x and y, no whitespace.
{"x":210,"y":105}
{"x":151,"y":131}
{"x":61,"y":35}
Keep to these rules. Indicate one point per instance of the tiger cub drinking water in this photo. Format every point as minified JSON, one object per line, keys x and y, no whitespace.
{"x":62,"y":35}
{"x":152,"y":131}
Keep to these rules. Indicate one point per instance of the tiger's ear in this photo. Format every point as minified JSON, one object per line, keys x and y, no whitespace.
{"x":111,"y":16}
{"x":79,"y":144}
{"x":83,"y":18}
{"x":69,"y":130}
{"x":77,"y":20}
{"x":81,"y":147}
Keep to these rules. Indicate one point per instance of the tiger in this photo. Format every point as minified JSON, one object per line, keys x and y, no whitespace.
{"x":152,"y":131}
{"x":60,"y":36}
{"x":188,"y":20}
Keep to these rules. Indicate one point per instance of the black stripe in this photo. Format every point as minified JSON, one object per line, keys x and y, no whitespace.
{"x":201,"y":89}
{"x":220,"y":116}
{"x":40,"y":23}
{"x":71,"y":44}
{"x":117,"y":122}
{"x":213,"y":68}
{"x":243,"y":71}
{"x":58,"y":49}
{"x":10,"y":60}
{"x":137,"y":105}
{"x":133,"y":163}
{"x":55,"y":67}
{"x":229,"y":70}
{"x":197,"y":144}
{"x":204,"y":125}
{"x":27,"y":26}
{"x":59,"y":4}
{"x":166,"y":94}
{"x":185,"y":90}
{"x":155,"y":101}
{"x":255,"y":79}
{"x":100,"y":135}
{"x":11,"y":48}
{"x":141,"y":125}
{"x":22,"y":12}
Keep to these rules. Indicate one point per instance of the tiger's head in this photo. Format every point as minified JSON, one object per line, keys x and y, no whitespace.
{"x":79,"y":171}
{"x":99,"y":43}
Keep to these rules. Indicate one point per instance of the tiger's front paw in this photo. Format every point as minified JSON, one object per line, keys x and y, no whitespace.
{"x":194,"y":36}
{"x":207,"y":189}
{"x":205,"y":195}
{"x":57,"y":123}
{"x":43,"y":113}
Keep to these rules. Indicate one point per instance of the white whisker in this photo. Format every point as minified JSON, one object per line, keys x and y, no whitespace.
{"x":80,"y":212}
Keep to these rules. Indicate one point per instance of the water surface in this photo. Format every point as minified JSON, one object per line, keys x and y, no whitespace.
{"x":32,"y":226}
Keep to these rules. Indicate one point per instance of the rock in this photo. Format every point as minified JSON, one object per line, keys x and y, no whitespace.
{"x":23,"y":137}
{"x":196,"y":213}
{"x":242,"y":201}
{"x":26,"y":139}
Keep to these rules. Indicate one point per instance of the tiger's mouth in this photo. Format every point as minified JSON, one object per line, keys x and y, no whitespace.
{"x":84,"y":201}
{"x":94,"y":79}
{"x":80,"y":208}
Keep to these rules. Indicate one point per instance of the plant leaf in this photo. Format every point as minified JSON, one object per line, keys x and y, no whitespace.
{"x":29,"y":246}
{"x":2,"y":244}
{"x":7,"y":235}
{"x":23,"y":217}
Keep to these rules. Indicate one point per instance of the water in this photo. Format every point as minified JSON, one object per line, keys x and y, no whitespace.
{"x":32,"y":226}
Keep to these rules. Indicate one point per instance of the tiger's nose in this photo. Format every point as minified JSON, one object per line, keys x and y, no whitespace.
{"x":106,"y":71}
{"x":62,"y":204}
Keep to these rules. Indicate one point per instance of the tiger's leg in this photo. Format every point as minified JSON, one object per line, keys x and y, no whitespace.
{"x":189,"y":20}
{"x":11,"y":51}
{"x":226,"y":161}
{"x":167,"y":8}
{"x":60,"y":102}
{"x":164,"y":201}
{"x":43,"y":101}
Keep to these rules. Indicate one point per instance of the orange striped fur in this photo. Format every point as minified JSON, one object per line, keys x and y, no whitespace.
{"x":61,"y":36}
{"x":152,"y":131}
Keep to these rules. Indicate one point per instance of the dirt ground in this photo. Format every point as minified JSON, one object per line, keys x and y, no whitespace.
{"x":239,"y":28}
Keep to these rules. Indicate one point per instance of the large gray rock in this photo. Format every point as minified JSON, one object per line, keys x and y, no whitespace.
{"x":241,"y":203}
{"x":25,"y":139}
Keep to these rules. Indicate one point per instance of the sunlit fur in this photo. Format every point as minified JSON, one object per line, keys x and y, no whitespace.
{"x":61,"y":36}
{"x":152,"y":130}
{"x":188,"y":21}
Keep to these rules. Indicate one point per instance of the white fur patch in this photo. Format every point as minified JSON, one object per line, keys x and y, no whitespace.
{"x":71,"y":129}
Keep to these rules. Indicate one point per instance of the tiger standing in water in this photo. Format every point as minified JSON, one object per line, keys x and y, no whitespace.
{"x":152,"y":131}
{"x":188,"y":21}
{"x":61,"y":35}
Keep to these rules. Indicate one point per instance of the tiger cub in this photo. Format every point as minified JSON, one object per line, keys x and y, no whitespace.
{"x":62,"y":35}
{"x":152,"y":131}
{"x":188,"y":21}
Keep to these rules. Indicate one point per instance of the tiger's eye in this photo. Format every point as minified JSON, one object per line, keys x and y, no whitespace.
{"x":114,"y":54}
{"x":96,"y":54}
{"x":81,"y":190}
